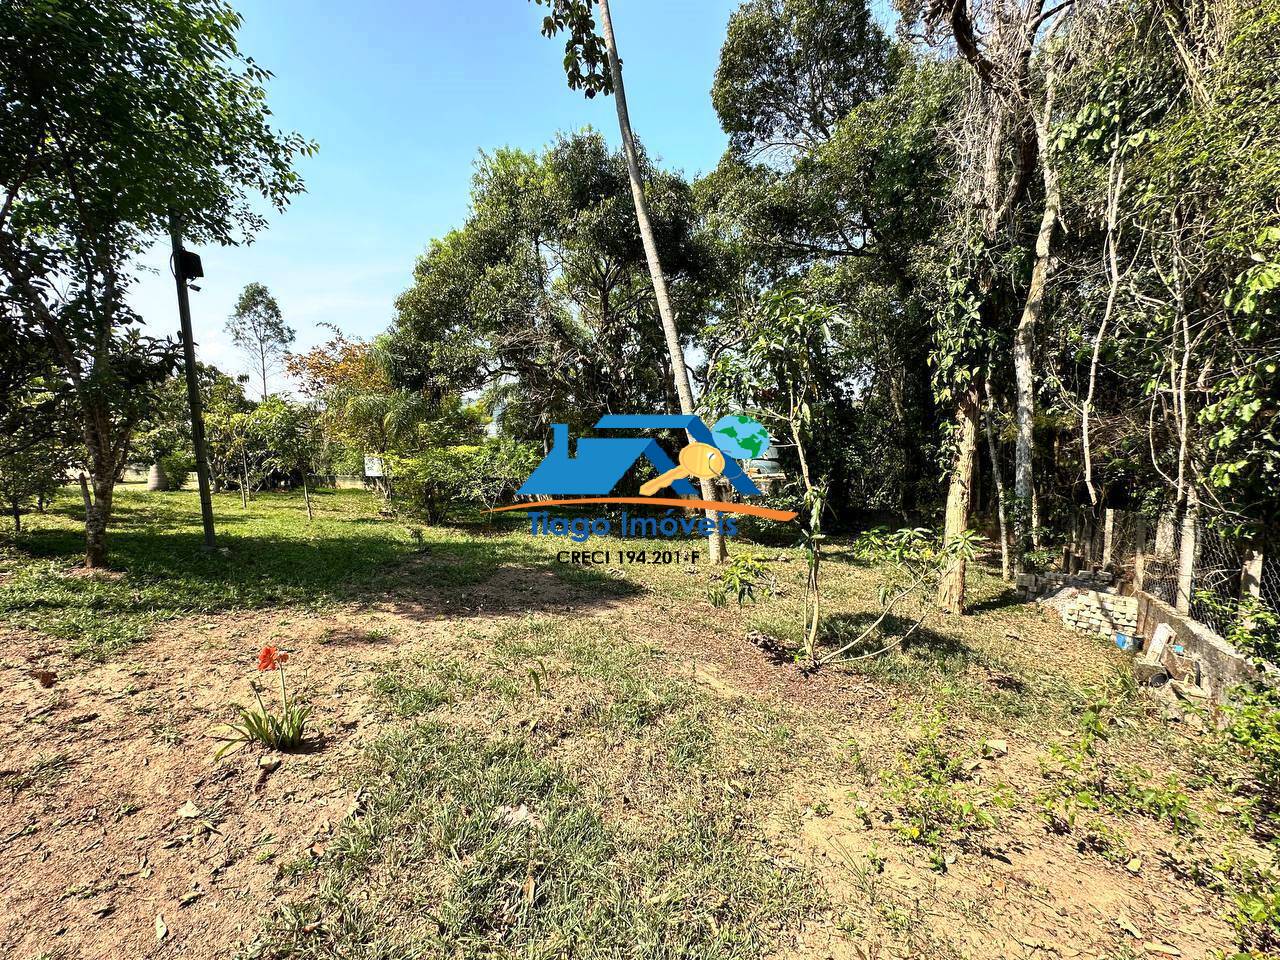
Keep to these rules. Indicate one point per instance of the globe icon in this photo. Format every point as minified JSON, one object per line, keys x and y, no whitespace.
{"x":741,"y":437}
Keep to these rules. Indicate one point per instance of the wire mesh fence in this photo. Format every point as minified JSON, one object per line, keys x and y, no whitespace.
{"x":1269,"y":581}
{"x":1116,"y":539}
{"x":1160,"y":560}
{"x":1215,"y":581}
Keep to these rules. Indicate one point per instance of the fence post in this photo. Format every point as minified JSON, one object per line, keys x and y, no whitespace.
{"x":1250,"y":580}
{"x":1187,"y":552}
{"x":1164,"y":534}
{"x":1108,"y":535}
{"x":1139,"y":551}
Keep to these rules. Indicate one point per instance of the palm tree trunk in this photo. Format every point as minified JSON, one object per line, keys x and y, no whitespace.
{"x":680,"y":372}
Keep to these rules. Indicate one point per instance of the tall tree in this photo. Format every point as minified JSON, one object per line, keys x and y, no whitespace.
{"x":112,"y":116}
{"x":1001,"y":144}
{"x":257,"y":327}
{"x":835,"y":168}
{"x":587,"y":58}
{"x":542,"y":298}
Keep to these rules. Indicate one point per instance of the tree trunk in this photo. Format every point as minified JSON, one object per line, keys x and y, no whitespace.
{"x":959,"y":498}
{"x":306,"y":497}
{"x":1115,"y":181}
{"x":104,"y":461}
{"x":998,"y":481}
{"x":680,"y":372}
{"x":95,"y":522}
{"x":244,"y":481}
{"x":17,"y":518}
{"x":1025,"y":522}
{"x":1035,"y":518}
{"x":1187,"y":550}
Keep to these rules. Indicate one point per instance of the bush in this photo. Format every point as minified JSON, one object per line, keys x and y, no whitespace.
{"x":177,"y":469}
{"x":771,"y":532}
{"x":445,"y":478}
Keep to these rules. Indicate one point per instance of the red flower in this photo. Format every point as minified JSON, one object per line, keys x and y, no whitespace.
{"x":270,"y":658}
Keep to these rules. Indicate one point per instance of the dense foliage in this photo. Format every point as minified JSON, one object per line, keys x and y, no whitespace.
{"x":116,"y":119}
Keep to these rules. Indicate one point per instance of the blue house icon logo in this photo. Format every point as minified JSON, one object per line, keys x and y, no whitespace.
{"x":598,"y":463}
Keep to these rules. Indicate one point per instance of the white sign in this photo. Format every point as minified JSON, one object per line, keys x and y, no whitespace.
{"x":373,"y":467}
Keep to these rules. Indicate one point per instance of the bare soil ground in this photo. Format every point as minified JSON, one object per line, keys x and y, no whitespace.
{"x":121,"y":838}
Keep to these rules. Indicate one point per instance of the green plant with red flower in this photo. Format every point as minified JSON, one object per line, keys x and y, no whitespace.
{"x":278,"y":731}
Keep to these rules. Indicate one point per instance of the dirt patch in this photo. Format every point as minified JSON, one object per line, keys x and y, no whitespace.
{"x":121,"y":837}
{"x":1024,"y":892}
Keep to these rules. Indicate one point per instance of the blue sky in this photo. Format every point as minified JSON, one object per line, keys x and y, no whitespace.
{"x":400,"y":96}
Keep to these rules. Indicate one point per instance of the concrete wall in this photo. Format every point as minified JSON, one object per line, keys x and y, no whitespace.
{"x":1221,"y":666}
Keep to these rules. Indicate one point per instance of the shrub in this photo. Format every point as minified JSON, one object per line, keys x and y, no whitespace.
{"x":442,"y":479}
{"x":936,"y":803}
{"x":740,"y":578}
{"x":177,"y":469}
{"x":1253,"y":725}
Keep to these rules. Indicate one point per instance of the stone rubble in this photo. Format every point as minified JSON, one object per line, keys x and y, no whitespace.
{"x":1101,"y":614}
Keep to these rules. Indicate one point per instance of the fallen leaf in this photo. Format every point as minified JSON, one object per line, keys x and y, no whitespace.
{"x":1152,"y":947}
{"x":1134,"y":865}
{"x":189,"y":810}
{"x":45,"y":678}
{"x":1127,"y":925}
{"x":162,"y":930}
{"x":995,"y":748}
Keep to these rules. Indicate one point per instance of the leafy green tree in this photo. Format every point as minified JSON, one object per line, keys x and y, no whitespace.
{"x":290,"y":434}
{"x":33,"y":474}
{"x":849,"y":188}
{"x":95,"y":153}
{"x":257,"y":327}
{"x":791,"y":70}
{"x":164,"y":434}
{"x":444,"y":478}
{"x":363,"y":412}
{"x":784,"y":368}
{"x":541,"y":298}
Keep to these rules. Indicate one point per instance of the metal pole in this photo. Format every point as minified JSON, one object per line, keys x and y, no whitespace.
{"x":193,"y":383}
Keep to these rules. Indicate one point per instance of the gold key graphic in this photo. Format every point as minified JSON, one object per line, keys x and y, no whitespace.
{"x":700,"y":460}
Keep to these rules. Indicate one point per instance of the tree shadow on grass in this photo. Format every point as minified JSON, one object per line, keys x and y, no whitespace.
{"x":934,"y":663}
{"x":168,"y":573}
{"x":1002,"y":600}
{"x":497,"y":577}
{"x":909,"y":655}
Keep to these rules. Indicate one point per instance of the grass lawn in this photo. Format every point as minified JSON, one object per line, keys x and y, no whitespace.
{"x":516,"y":757}
{"x":270,"y":556}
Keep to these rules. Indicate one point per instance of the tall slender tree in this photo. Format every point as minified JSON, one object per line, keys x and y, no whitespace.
{"x":257,"y":327}
{"x":587,"y":54}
